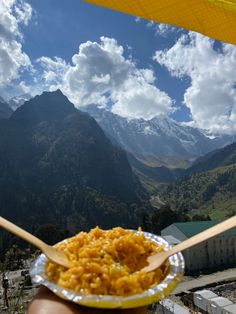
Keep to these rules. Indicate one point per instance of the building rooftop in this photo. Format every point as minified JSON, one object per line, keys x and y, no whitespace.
{"x":221,"y":301}
{"x":173,"y":307}
{"x":229,"y":309}
{"x":191,"y":228}
{"x":206,"y":294}
{"x":171,"y":240}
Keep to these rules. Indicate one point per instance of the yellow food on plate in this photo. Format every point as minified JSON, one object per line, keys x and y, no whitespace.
{"x":107,"y":262}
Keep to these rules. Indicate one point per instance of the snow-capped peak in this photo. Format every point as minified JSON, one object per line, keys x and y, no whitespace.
{"x":160,"y":137}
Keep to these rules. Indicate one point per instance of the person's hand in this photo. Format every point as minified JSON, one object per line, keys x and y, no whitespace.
{"x":46,"y":302}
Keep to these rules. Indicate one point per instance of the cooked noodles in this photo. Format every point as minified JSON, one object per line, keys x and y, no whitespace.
{"x":107,"y":262}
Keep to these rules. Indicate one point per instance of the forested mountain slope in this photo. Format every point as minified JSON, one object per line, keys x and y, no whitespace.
{"x":57,"y":166}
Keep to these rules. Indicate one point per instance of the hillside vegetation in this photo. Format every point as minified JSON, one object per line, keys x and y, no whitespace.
{"x":210,"y":192}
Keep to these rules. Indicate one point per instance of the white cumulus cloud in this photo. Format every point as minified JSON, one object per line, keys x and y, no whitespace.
{"x":99,"y":73}
{"x":139,"y":98}
{"x":12,"y":57}
{"x":211,"y":96}
{"x":53,"y":71}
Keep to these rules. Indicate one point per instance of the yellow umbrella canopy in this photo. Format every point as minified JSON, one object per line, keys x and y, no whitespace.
{"x":214,"y":18}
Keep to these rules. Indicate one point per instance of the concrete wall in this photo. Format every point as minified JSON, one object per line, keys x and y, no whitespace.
{"x":214,"y":253}
{"x":222,"y":250}
{"x":196,"y":258}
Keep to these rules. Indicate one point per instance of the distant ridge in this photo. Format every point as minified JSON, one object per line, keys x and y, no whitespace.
{"x":220,"y":158}
{"x":208,"y":187}
{"x":160,"y":141}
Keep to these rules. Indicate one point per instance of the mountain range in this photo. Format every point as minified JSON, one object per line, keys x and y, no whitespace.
{"x":57,"y":165}
{"x":206,"y":186}
{"x":57,"y":161}
{"x":160,"y":141}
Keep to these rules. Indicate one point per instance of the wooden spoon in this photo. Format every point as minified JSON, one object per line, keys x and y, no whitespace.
{"x":57,"y":257}
{"x":158,"y":259}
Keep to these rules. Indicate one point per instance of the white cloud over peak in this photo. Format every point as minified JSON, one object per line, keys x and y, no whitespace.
{"x":211,"y":96}
{"x":12,"y":57}
{"x":139,"y":98}
{"x":100,"y":74}
{"x":53,"y":71}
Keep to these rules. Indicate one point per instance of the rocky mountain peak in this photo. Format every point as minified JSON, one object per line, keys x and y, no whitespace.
{"x":48,"y":106}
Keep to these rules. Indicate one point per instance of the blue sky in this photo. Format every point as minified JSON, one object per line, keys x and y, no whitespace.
{"x":138,"y":68}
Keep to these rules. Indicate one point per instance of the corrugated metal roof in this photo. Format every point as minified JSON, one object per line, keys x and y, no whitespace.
{"x":191,"y":228}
